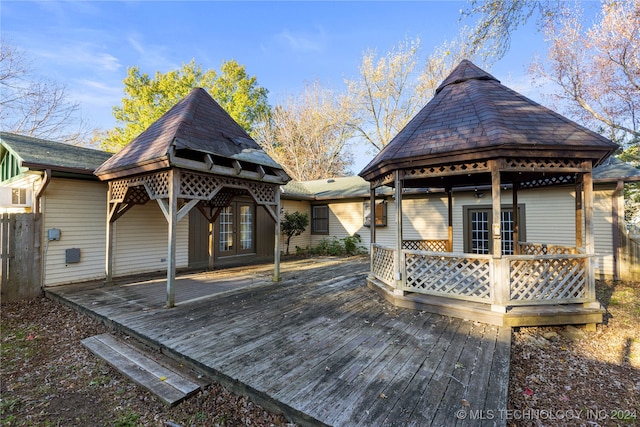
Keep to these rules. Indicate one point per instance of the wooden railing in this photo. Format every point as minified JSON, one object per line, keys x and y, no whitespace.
{"x":548,"y":279}
{"x":383,"y":264}
{"x":542,"y":249}
{"x":558,"y":278}
{"x":461,"y":276}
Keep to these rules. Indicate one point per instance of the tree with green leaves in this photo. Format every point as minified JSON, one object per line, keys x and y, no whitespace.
{"x":293,"y":224}
{"x":147,"y":98}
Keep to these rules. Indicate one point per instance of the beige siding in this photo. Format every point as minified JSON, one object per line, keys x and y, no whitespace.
{"x":603,"y":232}
{"x":140,"y":243}
{"x":345,"y":219}
{"x":303,"y":240}
{"x":78,"y":209}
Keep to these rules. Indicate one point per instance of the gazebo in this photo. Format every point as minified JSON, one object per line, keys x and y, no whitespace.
{"x":195,"y":155}
{"x":474,"y":133}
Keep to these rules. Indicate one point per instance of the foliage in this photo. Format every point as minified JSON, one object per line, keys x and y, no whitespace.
{"x":147,"y":99}
{"x":34,"y":105}
{"x":393,"y":87}
{"x":294,"y":224}
{"x":598,"y":69}
{"x":349,"y":245}
{"x":308,"y":134}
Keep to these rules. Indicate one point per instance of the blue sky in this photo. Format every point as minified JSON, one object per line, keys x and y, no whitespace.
{"x":89,"y":45}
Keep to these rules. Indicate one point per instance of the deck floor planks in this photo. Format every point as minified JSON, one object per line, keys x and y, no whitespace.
{"x":278,"y":339}
{"x":457,"y":388}
{"x":378,"y":371}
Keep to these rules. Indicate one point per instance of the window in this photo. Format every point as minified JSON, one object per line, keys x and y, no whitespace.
{"x":18,"y":196}
{"x":381,"y":213}
{"x":320,"y":219}
{"x":237,"y":229}
{"x":478,"y":225}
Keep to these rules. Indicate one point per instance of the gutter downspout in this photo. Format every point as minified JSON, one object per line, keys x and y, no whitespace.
{"x":43,"y":186}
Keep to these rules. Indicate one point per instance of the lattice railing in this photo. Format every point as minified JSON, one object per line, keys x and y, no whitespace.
{"x":542,"y":249}
{"x":453,"y":276}
{"x":383,"y":264}
{"x":548,"y":279}
{"x":426,"y":245}
{"x":447,"y":169}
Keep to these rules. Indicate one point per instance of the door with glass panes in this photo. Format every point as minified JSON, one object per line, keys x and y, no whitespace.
{"x":478,"y":225}
{"x":236,"y":229}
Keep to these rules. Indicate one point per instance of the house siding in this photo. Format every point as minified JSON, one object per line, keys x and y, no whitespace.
{"x":78,"y":209}
{"x":303,"y":240}
{"x":140,"y":241}
{"x":140,"y":238}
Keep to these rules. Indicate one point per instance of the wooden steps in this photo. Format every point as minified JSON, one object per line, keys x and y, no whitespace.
{"x":167,"y":383}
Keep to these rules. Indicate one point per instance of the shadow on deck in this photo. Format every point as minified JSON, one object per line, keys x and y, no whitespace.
{"x":319,"y":346}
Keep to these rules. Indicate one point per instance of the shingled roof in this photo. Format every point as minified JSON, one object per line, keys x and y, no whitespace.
{"x":195,"y":127}
{"x":39,"y":154}
{"x":472,"y":116}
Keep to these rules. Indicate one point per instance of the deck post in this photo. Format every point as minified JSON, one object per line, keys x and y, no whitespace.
{"x":109,"y":248}
{"x":372,"y":222}
{"x":589,"y":236}
{"x":174,"y":188}
{"x":578,"y":191}
{"x":399,"y":261}
{"x":450,"y":219}
{"x":276,"y":252}
{"x":516,"y":219}
{"x":499,"y":275}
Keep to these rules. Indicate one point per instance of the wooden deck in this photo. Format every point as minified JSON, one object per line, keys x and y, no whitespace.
{"x":318,"y":346}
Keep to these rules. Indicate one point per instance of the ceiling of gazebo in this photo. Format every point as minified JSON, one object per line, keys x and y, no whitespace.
{"x":473,"y":119}
{"x":196,"y":134}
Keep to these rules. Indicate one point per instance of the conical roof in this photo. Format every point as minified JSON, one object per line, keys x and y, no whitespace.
{"x":195,"y":126}
{"x":472,"y":116}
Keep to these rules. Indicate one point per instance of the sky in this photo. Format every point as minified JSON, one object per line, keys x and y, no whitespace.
{"x":88,"y":45}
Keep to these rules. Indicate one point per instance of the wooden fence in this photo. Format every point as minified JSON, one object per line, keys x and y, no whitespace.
{"x":20,"y":256}
{"x":630,"y":257}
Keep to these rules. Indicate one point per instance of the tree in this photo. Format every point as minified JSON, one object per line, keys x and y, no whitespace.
{"x":33,"y":105}
{"x":294,"y":224}
{"x":146,"y":98}
{"x":392,"y":88}
{"x":598,"y":70}
{"x":308,"y":134}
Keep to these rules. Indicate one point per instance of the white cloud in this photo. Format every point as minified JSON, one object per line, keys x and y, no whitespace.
{"x":302,"y":42}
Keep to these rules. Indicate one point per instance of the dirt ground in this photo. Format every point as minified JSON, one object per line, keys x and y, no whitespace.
{"x":559,"y":376}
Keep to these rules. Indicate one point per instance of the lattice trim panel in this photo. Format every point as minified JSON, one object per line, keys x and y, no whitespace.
{"x":548,"y":181}
{"x":156,"y":186}
{"x":542,"y":249}
{"x":383,"y":265}
{"x":453,"y":277}
{"x":544,"y":164}
{"x":383,"y":180}
{"x":198,"y":186}
{"x":426,"y":245}
{"x":548,"y":281}
{"x":445,"y":170}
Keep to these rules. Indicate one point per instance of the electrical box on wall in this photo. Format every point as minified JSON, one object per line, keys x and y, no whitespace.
{"x":72,"y":255}
{"x":53,"y":234}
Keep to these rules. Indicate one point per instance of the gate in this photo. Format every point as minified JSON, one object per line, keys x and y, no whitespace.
{"x":20,"y":255}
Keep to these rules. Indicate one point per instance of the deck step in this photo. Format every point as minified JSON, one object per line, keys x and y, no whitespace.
{"x":167,"y":383}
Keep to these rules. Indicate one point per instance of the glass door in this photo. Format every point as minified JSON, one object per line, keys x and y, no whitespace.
{"x":236,"y":229}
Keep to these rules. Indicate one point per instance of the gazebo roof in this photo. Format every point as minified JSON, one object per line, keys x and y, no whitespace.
{"x":473,"y":117}
{"x":196,"y":133}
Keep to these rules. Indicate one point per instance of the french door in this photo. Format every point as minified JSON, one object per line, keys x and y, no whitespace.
{"x":478,"y":239}
{"x":236,"y":229}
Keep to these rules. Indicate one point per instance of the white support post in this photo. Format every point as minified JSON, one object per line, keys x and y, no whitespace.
{"x":109,"y":248}
{"x":399,"y":261}
{"x":372,"y":222}
{"x":499,"y":274}
{"x":276,"y":252}
{"x":174,"y":188}
{"x":589,"y":236}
